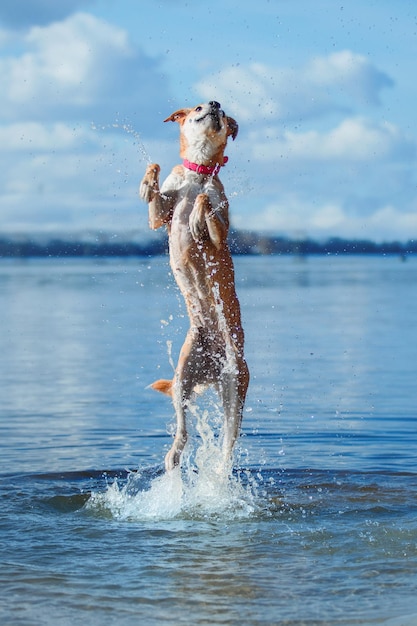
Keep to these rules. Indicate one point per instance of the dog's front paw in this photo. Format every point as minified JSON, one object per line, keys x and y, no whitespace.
{"x":150,"y":182}
{"x":197,"y":223}
{"x":197,"y":220}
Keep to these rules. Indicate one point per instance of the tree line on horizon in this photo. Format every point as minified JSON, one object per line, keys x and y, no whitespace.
{"x":241,"y":243}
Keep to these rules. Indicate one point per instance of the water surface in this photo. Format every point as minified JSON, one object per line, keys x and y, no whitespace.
{"x":316,"y":525}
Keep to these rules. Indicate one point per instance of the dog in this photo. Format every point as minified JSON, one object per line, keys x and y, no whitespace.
{"x":193,"y":206}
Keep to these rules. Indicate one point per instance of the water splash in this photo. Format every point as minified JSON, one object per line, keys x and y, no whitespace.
{"x":203,"y":487}
{"x":130,"y":130}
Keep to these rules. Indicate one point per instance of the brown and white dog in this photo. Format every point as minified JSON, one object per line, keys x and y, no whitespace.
{"x":193,"y":205}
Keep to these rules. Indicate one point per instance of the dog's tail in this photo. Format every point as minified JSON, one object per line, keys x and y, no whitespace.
{"x":164,"y":386}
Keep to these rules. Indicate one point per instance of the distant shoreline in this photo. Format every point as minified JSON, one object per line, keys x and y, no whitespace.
{"x":241,"y":243}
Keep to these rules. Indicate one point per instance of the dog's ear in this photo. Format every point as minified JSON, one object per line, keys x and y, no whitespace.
{"x":232,"y":127}
{"x":178,"y":116}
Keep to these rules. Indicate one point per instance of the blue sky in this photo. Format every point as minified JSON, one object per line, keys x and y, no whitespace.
{"x":324,"y":93}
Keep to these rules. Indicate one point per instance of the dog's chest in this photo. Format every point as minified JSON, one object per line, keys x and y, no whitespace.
{"x":187,"y":194}
{"x":180,"y":234}
{"x":185,"y":201}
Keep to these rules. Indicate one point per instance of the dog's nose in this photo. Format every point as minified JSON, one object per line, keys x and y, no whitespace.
{"x":214,"y":104}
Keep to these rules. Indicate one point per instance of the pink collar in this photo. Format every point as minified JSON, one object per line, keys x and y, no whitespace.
{"x":204,"y":169}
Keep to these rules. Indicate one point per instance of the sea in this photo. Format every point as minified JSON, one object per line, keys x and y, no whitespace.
{"x":315,"y":524}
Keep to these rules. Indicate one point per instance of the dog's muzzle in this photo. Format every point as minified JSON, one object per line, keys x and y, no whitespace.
{"x":216,"y":113}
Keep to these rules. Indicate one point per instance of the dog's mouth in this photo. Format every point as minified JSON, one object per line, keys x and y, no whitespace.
{"x":215,"y":113}
{"x":216,"y":118}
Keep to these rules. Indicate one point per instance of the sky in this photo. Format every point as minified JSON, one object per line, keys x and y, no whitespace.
{"x":324,"y":92}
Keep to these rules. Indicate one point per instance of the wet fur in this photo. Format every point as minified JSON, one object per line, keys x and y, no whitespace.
{"x":194,"y":208}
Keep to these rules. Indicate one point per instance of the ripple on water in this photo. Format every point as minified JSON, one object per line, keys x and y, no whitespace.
{"x":299,"y":541}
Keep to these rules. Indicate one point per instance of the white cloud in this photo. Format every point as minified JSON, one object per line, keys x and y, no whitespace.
{"x":352,"y":75}
{"x":297,"y":217}
{"x":249,"y":90}
{"x":69,"y":178}
{"x":79,"y":68}
{"x":36,"y":137}
{"x":354,"y":139}
{"x":338,"y":175}
{"x":336,"y":82}
{"x":329,"y":183}
{"x":79,"y":103}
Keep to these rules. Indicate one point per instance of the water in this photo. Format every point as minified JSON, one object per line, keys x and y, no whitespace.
{"x":317,"y":523}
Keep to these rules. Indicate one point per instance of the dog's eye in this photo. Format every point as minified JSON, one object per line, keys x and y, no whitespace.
{"x":199,"y":108}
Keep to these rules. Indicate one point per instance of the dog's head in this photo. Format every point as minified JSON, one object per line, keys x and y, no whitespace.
{"x":204,"y":131}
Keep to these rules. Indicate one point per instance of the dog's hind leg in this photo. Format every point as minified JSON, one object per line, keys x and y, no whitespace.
{"x":233,"y":387}
{"x":187,"y":375}
{"x":172,"y":458}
